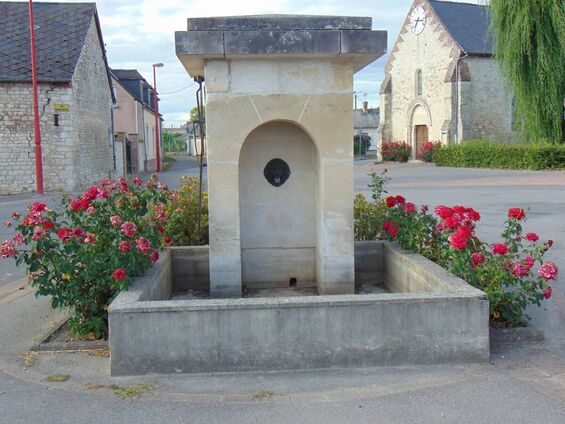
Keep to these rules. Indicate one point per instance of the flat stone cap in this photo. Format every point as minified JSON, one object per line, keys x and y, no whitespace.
{"x":269,"y":22}
{"x":279,"y":37}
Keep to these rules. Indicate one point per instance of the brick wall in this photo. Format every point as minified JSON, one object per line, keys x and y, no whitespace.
{"x":75,"y":152}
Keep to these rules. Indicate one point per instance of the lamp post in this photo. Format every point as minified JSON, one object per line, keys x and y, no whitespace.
{"x":37,"y":129}
{"x":157,"y":144}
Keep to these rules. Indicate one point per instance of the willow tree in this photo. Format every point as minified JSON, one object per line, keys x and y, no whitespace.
{"x":529,"y":44}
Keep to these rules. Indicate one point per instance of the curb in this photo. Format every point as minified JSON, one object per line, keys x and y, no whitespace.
{"x":499,"y":336}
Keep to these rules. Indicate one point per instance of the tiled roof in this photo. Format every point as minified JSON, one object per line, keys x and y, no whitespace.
{"x":467,"y":23}
{"x":60,"y":31}
{"x":136,"y":85}
{"x":369,"y":119}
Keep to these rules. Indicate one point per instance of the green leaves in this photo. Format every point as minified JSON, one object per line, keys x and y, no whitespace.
{"x":529,"y":44}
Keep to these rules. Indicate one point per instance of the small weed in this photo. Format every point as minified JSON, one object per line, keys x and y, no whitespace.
{"x":103,"y":353}
{"x":58,"y":378}
{"x":29,"y":359}
{"x":93,"y":386}
{"x":131,"y":391}
{"x":263,"y":395}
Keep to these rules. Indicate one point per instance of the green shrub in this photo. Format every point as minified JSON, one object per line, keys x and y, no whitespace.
{"x":480,"y":154}
{"x":183,"y":215}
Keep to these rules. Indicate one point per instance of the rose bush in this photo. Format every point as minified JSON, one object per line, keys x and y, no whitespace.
{"x":428,"y":150}
{"x":396,"y":151}
{"x":505,"y":271}
{"x":86,"y":253}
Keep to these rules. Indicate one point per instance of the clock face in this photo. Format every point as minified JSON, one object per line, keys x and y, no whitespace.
{"x":418,"y":20}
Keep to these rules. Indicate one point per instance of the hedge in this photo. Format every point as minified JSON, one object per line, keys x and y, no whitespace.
{"x":478,"y":154}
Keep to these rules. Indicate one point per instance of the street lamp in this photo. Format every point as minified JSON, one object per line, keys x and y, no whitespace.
{"x":157,"y":144}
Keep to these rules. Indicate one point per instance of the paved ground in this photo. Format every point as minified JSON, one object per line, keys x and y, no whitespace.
{"x":524,"y":383}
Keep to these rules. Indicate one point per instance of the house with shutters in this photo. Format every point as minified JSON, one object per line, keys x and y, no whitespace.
{"x":441,"y":81}
{"x":134,"y":122}
{"x":75,"y":97}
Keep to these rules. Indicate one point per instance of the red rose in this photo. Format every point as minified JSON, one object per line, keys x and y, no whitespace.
{"x":443,"y":211}
{"x":500,"y":249}
{"x":532,"y":237}
{"x":39,"y":207}
{"x":478,"y":258}
{"x":65,"y":234}
{"x":390,"y":201}
{"x":78,"y":233}
{"x":154,"y":256}
{"x":451,"y":222}
{"x":160,"y":229}
{"x":409,"y":207}
{"x":92,"y":193}
{"x":387,"y":224}
{"x":16,"y":215}
{"x":393,"y":231}
{"x":167,"y":241}
{"x":458,"y":241}
{"x":473,"y":214}
{"x":124,"y":246}
{"x":90,"y":239}
{"x":137,"y":181}
{"x":79,"y":204}
{"x":48,"y":225}
{"x":400,"y":199}
{"x":115,"y":220}
{"x":547,"y":292}
{"x":32,"y":218}
{"x":119,"y":274}
{"x":529,"y":262}
{"x":516,"y":213}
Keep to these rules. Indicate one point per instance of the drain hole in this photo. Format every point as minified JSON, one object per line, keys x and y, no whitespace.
{"x":292,"y":282}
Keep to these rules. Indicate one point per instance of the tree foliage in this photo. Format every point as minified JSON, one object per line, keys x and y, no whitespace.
{"x":529,"y":44}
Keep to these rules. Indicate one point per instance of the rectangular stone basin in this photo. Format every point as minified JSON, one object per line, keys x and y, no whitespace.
{"x":428,"y":316}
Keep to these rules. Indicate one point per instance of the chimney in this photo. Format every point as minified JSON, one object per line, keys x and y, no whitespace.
{"x":365,"y":106}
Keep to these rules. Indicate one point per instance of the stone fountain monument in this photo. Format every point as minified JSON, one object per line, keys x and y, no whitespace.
{"x":279,"y":92}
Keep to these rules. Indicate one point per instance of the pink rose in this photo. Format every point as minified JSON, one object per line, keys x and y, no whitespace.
{"x":478,"y":258}
{"x":143,"y":245}
{"x":90,"y":210}
{"x":154,"y":256}
{"x":18,"y":239}
{"x":547,"y":293}
{"x":124,"y":246}
{"x":33,"y":218}
{"x":7,"y":249}
{"x":115,"y":220}
{"x":409,"y":207}
{"x":89,"y":239}
{"x":129,"y":228}
{"x":38,"y":233}
{"x":119,"y":274}
{"x":548,"y":271}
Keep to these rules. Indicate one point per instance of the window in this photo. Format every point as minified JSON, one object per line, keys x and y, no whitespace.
{"x":419,"y":82}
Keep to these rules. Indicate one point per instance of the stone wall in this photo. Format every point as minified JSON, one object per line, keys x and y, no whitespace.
{"x":77,"y":150}
{"x":487,"y":112}
{"x":92,"y":113}
{"x":17,"y":142}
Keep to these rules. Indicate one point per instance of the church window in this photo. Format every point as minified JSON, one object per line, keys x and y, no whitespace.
{"x":419,"y":82}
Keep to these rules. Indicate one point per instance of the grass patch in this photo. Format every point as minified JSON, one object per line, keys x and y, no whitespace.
{"x":135,"y":390}
{"x":263,"y":395}
{"x":58,"y":378}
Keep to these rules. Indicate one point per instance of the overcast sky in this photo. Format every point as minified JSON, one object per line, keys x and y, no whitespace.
{"x":138,"y":33}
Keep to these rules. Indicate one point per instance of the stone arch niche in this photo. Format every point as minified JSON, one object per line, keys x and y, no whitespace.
{"x":280,"y":87}
{"x":278,"y":222}
{"x":418,"y":125}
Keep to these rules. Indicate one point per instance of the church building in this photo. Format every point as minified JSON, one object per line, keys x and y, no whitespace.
{"x":441,"y":80}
